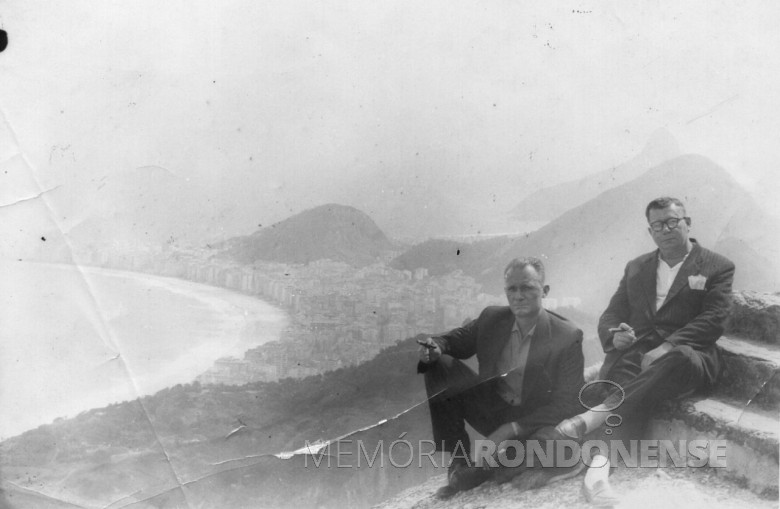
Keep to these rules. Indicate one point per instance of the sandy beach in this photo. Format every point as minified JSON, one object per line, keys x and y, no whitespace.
{"x":75,"y":338}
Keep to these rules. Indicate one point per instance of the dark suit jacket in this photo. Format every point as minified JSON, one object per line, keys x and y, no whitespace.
{"x":553,"y":371}
{"x":687,"y":316}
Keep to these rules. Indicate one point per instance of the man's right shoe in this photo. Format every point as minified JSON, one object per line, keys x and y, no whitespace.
{"x":455,"y":465}
{"x":573,"y":428}
{"x":468,"y":477}
{"x":595,"y":485}
{"x":450,"y":489}
{"x":600,"y":494}
{"x":462,"y":477}
{"x":445,"y":492}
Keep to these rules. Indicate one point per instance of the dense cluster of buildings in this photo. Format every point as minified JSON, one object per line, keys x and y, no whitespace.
{"x":339,"y":315}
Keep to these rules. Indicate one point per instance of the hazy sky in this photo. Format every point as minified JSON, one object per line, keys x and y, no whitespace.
{"x":411,"y":111}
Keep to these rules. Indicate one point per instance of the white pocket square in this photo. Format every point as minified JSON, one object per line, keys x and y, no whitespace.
{"x":697,"y":282}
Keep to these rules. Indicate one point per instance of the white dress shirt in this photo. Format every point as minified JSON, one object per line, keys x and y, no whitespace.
{"x":664,"y":278}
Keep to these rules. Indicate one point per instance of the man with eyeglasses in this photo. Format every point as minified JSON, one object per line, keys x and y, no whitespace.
{"x":659,"y":330}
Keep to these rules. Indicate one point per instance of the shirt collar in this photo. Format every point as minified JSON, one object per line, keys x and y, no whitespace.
{"x":678,"y":264}
{"x":693,"y":245}
{"x":531,"y":331}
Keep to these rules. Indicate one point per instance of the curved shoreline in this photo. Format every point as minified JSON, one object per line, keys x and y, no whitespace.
{"x":77,"y":337}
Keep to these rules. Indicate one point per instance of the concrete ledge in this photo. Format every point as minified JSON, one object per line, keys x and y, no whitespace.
{"x":750,"y":372}
{"x":755,"y":315}
{"x":731,"y":420}
{"x":744,"y":408}
{"x":759,"y":424}
{"x":751,"y":437}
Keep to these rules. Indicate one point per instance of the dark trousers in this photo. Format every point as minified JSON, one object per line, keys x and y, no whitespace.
{"x":456,"y":396}
{"x":679,"y":373}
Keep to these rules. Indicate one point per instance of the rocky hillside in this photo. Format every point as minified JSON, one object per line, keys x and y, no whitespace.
{"x":586,"y":248}
{"x":214,"y":446}
{"x":218,"y":446}
{"x":334,"y":232}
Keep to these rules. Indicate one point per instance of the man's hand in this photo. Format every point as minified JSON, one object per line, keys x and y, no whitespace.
{"x":429,"y":351}
{"x":623,"y":336}
{"x":655,"y":353}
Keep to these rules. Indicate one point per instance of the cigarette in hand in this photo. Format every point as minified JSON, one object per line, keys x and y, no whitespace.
{"x":422,"y":342}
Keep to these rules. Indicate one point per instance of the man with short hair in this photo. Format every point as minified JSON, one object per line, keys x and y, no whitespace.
{"x":530,"y":373}
{"x":659,"y":330}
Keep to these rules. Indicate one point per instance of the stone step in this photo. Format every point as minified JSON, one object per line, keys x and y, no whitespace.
{"x":751,"y":435}
{"x":750,"y":372}
{"x":755,"y":315}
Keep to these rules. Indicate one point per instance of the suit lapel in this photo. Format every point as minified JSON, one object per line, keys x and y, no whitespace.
{"x":647,"y":277}
{"x":501,"y":334}
{"x":538,"y":353}
{"x":690,"y":267}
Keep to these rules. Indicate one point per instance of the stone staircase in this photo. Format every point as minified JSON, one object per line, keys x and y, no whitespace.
{"x":744,"y":407}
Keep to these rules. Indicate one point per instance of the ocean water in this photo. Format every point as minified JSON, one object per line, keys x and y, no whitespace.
{"x":74,"y":339}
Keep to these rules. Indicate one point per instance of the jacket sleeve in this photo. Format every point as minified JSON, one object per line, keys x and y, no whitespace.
{"x":619,"y":310}
{"x":706,"y":327}
{"x":460,"y":343}
{"x":564,"y":398}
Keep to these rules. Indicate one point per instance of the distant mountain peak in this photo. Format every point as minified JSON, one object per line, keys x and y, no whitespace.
{"x":331,"y":231}
{"x":330,"y":210}
{"x":550,"y":202}
{"x":586,"y":247}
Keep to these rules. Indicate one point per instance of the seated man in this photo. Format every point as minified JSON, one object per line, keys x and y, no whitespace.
{"x":659,"y":330}
{"x":530,"y":373}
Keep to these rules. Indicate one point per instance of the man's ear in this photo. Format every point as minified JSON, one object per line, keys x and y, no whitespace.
{"x":545,"y":290}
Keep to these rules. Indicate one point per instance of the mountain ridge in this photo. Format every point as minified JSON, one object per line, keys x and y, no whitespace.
{"x":586,"y":248}
{"x":549,"y":202}
{"x":336,"y":232}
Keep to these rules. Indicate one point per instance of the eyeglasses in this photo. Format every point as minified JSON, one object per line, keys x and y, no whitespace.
{"x":671,"y":223}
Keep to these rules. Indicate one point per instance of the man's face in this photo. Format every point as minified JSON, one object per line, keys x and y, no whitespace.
{"x":524,"y":291}
{"x":669,"y":238}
